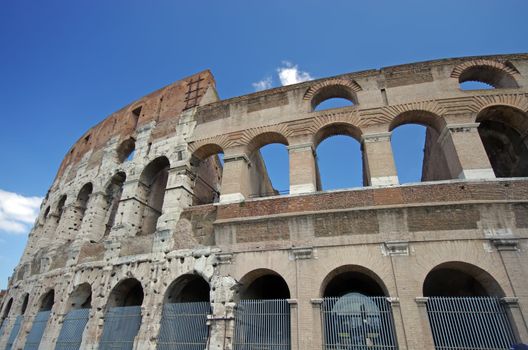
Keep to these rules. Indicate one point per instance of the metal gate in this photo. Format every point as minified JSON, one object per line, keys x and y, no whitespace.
{"x":70,"y":336}
{"x":183,"y":326}
{"x":120,"y":328}
{"x":476,"y":323}
{"x":37,"y":330}
{"x":14,"y":332}
{"x":355,"y":321}
{"x":262,"y":325}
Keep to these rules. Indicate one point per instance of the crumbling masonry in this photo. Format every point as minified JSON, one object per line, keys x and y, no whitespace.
{"x":144,"y":217}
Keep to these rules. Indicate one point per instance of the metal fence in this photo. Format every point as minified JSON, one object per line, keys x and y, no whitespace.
{"x":14,"y":332}
{"x":70,"y":336}
{"x":37,"y":330}
{"x":184,"y":326}
{"x":357,"y":322}
{"x":120,"y":328}
{"x":262,"y":325}
{"x":475,"y":323}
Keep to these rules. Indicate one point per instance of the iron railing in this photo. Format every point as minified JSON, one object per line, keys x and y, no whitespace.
{"x":14,"y":332}
{"x":120,"y":328}
{"x":70,"y":336}
{"x":184,"y":326}
{"x":262,"y":325}
{"x":37,"y":330}
{"x":475,"y":323}
{"x":357,"y":322}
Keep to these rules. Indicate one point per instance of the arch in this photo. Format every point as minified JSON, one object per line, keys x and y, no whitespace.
{"x":205,"y":151}
{"x":126,"y":149}
{"x":24,"y":304}
{"x":263,"y":284}
{"x":127,"y":292}
{"x":207,"y":162}
{"x":47,"y":301}
{"x":493,"y":73}
{"x":266,"y":138}
{"x":7,"y":310}
{"x":46,"y":213}
{"x":154,"y":181}
{"x":336,"y":128}
{"x":80,"y":298}
{"x":503,"y":131}
{"x":332,"y":88}
{"x":352,"y":278}
{"x":187,"y":288}
{"x":460,"y":279}
{"x":421,"y":117}
{"x":60,"y":206}
{"x":148,"y":175}
{"x":113,"y":193}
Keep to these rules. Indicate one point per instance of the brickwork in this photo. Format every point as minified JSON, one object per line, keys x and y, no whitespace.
{"x":171,"y":209}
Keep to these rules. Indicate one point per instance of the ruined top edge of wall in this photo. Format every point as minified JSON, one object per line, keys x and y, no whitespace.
{"x":160,"y":106}
{"x":365,"y":73}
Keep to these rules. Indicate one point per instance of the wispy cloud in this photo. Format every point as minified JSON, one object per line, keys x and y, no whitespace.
{"x":290,"y":73}
{"x":287,"y":74}
{"x":17,"y":212}
{"x":264,"y":84}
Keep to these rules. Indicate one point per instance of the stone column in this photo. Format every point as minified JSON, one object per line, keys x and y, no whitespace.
{"x":178,"y":196}
{"x":465,"y":153}
{"x":235,"y":177}
{"x":68,"y":225}
{"x":128,"y":217}
{"x":317,"y":336}
{"x":303,"y":168}
{"x":48,"y":231}
{"x":378,"y":160}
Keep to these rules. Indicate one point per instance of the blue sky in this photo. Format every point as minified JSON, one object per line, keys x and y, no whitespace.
{"x":65,"y":65}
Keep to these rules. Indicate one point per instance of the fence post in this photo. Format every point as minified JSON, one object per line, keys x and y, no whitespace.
{"x":401,"y":340}
{"x":511,"y":304}
{"x":294,"y":323}
{"x":318,"y":325}
{"x":427,"y":335}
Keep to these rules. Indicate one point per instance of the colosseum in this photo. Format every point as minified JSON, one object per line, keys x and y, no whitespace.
{"x":148,"y":239}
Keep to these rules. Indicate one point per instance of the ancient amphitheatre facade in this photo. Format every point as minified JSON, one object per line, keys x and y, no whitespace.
{"x":142,"y":217}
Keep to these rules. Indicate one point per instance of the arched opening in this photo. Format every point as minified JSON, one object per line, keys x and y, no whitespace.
{"x":113,"y":193}
{"x":46,"y":214}
{"x":263,"y":313}
{"x":333,"y":96}
{"x":76,"y":318}
{"x":269,"y":171}
{"x":184,"y":316}
{"x":355,"y":309}
{"x":47,"y":301}
{"x":5,"y":314}
{"x":417,"y":153}
{"x":339,"y":157}
{"x":502,"y":130}
{"x":40,"y":321}
{"x":82,"y":204}
{"x":207,"y":163}
{"x":153,"y":181}
{"x":485,"y":77}
{"x":332,"y":103}
{"x":24,"y":304}
{"x":126,"y":150}
{"x":128,"y":292}
{"x":464,"y":299}
{"x":18,"y":322}
{"x":60,"y":208}
{"x":123,"y":315}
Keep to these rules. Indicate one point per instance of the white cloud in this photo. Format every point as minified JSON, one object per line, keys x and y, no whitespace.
{"x":17,"y":212}
{"x":289,"y":74}
{"x":264,"y":84}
